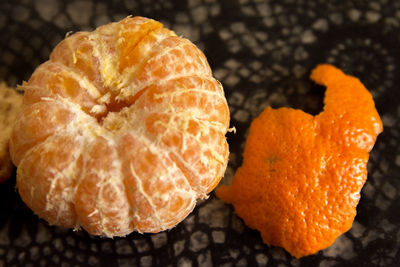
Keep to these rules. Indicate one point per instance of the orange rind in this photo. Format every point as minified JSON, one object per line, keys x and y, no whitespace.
{"x":301,"y":176}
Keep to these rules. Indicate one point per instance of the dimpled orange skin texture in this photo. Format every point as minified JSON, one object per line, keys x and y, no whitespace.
{"x":122,"y":130}
{"x":301,"y":177}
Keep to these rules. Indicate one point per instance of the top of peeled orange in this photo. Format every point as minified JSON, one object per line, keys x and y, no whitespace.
{"x":301,"y":176}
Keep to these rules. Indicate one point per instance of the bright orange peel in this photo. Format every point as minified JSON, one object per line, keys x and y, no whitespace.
{"x":301,"y":177}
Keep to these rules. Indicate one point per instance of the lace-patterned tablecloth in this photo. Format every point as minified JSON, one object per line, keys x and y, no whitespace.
{"x":262,"y":52}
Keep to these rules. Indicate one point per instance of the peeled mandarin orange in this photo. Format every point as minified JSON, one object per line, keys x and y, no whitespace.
{"x":301,"y":177}
{"x":122,"y":130}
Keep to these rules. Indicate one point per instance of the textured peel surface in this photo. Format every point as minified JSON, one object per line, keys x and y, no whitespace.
{"x":301,"y":177}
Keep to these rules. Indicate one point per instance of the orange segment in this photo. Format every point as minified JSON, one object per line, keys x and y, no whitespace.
{"x":58,"y":80}
{"x":190,"y":93}
{"x":172,"y":58}
{"x":77,"y":53}
{"x":46,"y":179}
{"x":100,"y":180}
{"x":149,"y":179}
{"x":185,"y":134}
{"x":133,"y":33}
{"x":37,"y":122}
{"x":301,"y":176}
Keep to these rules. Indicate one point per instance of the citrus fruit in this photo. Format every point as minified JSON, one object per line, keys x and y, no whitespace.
{"x":122,"y":130}
{"x":10,"y":105}
{"x":301,"y":176}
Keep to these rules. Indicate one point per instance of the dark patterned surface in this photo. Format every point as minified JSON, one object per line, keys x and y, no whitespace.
{"x":262,"y":52}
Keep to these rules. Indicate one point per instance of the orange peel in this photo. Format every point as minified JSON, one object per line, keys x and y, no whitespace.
{"x":301,"y":176}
